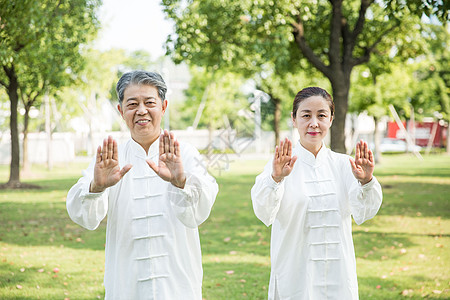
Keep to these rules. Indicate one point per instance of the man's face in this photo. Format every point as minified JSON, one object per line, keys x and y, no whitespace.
{"x":142,"y":109}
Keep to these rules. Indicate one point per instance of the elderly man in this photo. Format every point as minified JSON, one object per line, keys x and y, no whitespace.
{"x":155,"y":193}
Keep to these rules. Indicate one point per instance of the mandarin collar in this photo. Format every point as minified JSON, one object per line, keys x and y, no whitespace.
{"x":307,"y":157}
{"x":152,"y":151}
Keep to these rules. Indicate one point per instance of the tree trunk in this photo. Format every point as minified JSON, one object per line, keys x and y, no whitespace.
{"x":48,"y":131}
{"x":277,"y":119}
{"x":14,"y":171}
{"x":340,"y":88}
{"x":377,"y":142}
{"x":25,"y":161}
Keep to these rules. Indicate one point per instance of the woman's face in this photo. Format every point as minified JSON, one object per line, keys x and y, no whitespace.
{"x":312,"y":121}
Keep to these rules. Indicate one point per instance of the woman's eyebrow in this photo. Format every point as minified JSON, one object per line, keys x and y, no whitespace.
{"x":320,"y":110}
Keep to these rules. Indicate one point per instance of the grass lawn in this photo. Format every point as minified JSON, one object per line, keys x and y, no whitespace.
{"x":401,"y":253}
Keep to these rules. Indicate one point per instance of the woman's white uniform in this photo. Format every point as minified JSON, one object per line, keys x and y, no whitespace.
{"x":310,"y":211}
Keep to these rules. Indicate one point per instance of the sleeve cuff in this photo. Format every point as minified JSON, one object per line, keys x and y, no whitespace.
{"x":368,"y":185}
{"x":188,"y":187}
{"x":88,"y":195}
{"x":272,"y":183}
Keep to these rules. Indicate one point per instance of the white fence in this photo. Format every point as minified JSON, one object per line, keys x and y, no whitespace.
{"x":67,"y":146}
{"x":62,"y":148}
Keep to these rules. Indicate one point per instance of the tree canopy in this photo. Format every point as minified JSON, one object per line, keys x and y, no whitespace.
{"x":277,"y":37}
{"x":40,"y":49}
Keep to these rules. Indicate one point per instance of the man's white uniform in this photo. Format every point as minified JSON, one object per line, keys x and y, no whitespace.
{"x":152,"y":241}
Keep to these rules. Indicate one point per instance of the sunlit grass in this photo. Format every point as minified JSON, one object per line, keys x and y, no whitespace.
{"x":401,"y":253}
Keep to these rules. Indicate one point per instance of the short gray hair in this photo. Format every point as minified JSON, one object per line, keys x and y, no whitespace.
{"x":141,"y":77}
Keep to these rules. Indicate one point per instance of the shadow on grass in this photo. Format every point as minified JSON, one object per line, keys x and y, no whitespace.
{"x":434,"y":172}
{"x":232,"y":225}
{"x":46,"y":224}
{"x":235,"y":280}
{"x":60,"y":184}
{"x":380,"y":245}
{"x":39,"y":217}
{"x":43,"y":220}
{"x":408,"y":165}
{"x":415,"y":199}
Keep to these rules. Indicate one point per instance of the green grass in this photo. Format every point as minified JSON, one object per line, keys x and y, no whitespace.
{"x":401,"y":253}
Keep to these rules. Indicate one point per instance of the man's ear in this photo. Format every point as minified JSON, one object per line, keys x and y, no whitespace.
{"x":165,"y":103}
{"x":119,"y":108}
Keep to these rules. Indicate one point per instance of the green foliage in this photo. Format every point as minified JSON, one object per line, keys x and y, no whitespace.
{"x":42,"y":40}
{"x":424,"y":81}
{"x":244,"y":36}
{"x":285,"y":86}
{"x":432,"y":75}
{"x":90,"y":83}
{"x":222,"y":97}
{"x":276,"y":37}
{"x":430,"y":8}
{"x":136,"y":60}
{"x":376,"y":97}
{"x":226,"y":34}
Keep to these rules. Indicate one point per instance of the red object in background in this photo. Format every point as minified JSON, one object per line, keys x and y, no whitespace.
{"x":393,"y":129}
{"x":423,"y":132}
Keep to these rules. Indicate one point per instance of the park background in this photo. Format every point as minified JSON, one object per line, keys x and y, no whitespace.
{"x":232,"y":69}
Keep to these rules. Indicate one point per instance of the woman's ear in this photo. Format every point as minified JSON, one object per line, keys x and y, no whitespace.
{"x":294,"y":123}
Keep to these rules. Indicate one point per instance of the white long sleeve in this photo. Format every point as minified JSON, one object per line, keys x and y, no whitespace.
{"x":85,"y":208}
{"x":365,"y":200}
{"x":192,"y":205}
{"x":266,"y":196}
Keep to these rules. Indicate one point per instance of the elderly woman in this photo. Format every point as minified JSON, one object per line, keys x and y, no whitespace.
{"x":308,"y":194}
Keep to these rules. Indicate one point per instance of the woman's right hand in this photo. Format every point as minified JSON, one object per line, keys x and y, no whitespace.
{"x":283,"y":163}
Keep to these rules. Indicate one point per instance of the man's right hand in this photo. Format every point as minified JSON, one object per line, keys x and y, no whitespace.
{"x":282,"y":161}
{"x":107,"y":171}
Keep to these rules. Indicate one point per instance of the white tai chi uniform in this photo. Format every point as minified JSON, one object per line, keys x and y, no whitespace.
{"x":152,"y":242}
{"x":312,"y":253}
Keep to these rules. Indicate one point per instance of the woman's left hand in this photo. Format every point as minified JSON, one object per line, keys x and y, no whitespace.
{"x":363,"y":164}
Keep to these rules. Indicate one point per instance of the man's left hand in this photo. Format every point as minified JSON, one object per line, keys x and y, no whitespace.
{"x":170,"y":166}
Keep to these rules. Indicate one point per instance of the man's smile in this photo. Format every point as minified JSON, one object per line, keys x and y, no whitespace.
{"x":142,"y":121}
